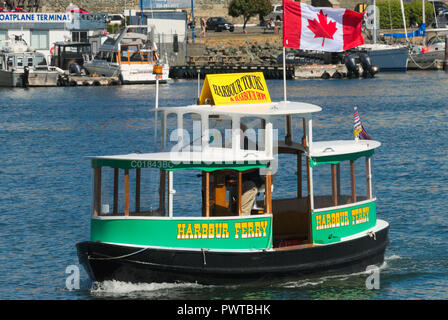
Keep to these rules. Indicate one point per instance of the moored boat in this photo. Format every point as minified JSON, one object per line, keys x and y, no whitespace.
{"x":239,"y":232}
{"x":20,"y":66}
{"x":129,"y":55}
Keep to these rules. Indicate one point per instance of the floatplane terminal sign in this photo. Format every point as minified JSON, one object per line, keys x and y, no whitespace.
{"x":34,"y":17}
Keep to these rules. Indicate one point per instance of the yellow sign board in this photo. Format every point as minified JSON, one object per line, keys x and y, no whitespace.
{"x":234,"y":88}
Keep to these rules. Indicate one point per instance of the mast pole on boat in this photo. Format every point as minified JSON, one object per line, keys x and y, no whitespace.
{"x":284,"y":74}
{"x":157,"y":71}
{"x":374,"y":22}
{"x":404,"y":20}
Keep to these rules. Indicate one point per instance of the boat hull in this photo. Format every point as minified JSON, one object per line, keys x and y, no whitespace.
{"x":432,"y":60}
{"x":128,"y":73}
{"x":43,"y":78}
{"x":11,"y":79}
{"x":104,"y":261}
{"x":389,"y":59}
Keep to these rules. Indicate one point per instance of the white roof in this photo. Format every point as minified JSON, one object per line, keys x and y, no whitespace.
{"x":255,"y":109}
{"x":212,"y":155}
{"x":337,"y":147}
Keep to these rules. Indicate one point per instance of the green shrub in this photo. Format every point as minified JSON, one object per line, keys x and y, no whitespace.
{"x":390,"y":13}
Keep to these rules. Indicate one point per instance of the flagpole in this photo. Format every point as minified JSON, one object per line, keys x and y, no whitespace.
{"x":284,"y":73}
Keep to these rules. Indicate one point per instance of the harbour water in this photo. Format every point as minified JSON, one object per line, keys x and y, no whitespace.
{"x":46,"y":133}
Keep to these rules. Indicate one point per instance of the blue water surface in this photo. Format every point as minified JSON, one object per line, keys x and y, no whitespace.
{"x":46,"y":133}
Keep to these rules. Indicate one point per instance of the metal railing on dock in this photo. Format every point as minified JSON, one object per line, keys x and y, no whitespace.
{"x":192,"y":72}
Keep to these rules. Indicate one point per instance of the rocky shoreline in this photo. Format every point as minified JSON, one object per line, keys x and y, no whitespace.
{"x":254,"y":52}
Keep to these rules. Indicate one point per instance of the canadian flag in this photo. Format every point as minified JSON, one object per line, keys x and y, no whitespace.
{"x":321,"y":29}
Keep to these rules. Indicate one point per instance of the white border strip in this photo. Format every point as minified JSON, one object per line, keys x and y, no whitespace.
{"x":380,"y":225}
{"x":180,"y":218}
{"x":344,"y":206}
{"x":189,"y":249}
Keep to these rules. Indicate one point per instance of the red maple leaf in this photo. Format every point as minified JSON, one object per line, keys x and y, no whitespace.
{"x":322,"y":28}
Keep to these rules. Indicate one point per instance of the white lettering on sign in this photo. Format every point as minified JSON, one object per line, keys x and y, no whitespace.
{"x":34,"y":17}
{"x":151,"y":164}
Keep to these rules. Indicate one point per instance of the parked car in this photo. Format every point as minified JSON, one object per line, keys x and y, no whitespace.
{"x":276,"y":14}
{"x":441,"y":20}
{"x":116,"y":19}
{"x":77,"y":9}
{"x":219,"y":24}
{"x":439,"y":6}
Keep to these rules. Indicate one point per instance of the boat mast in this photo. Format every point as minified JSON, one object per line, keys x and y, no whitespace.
{"x":374,"y":22}
{"x":404,"y":20}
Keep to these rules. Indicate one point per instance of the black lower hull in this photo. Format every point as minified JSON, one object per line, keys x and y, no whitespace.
{"x":134,"y":264}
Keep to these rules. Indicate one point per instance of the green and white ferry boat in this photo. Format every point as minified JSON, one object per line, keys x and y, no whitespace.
{"x":241,"y":233}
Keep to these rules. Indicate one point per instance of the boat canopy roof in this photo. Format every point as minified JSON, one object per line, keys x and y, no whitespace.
{"x":248,"y":110}
{"x":210,"y":160}
{"x":340,"y":150}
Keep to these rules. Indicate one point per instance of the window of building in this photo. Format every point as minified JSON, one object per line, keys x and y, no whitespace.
{"x":39,"y":40}
{"x":3,"y":37}
{"x":79,"y":36}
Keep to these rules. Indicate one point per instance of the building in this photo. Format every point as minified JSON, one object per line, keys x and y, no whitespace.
{"x":41,"y":30}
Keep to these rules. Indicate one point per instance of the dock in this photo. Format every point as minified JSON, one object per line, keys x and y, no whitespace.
{"x":192,"y":72}
{"x":71,"y":80}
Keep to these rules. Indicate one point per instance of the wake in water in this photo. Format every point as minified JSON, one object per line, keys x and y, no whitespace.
{"x":115,"y":288}
{"x":319,"y":280}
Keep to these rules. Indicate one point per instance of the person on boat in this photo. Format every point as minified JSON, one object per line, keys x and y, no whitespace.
{"x":252,"y":183}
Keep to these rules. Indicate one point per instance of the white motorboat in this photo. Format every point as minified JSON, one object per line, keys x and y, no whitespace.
{"x":21,"y":66}
{"x":387,"y":57}
{"x":129,"y":55}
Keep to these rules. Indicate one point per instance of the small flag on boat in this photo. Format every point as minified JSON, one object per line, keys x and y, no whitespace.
{"x":358,"y":129}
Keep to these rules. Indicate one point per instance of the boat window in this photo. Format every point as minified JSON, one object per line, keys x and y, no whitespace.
{"x":342,"y":183}
{"x":109,"y":56}
{"x":71,"y":49}
{"x":124,"y":54}
{"x":285,"y":177}
{"x":187,"y":196}
{"x":253,"y":133}
{"x":147,"y":56}
{"x":192,"y":133}
{"x":30,"y":61}
{"x":135,"y":57}
{"x":40,"y":61}
{"x":220,"y":131}
{"x":171,"y":138}
{"x":20,"y":61}
{"x":85,"y":49}
{"x":133,"y":192}
{"x":10,"y":62}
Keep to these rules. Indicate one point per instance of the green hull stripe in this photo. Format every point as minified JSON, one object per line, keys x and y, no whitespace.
{"x":170,"y":165}
{"x":243,"y":233}
{"x":332,"y":225}
{"x":314,"y":161}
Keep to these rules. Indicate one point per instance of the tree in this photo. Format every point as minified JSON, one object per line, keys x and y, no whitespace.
{"x":390,"y":13}
{"x":249,"y":9}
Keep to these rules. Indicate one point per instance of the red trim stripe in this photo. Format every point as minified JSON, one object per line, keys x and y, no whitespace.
{"x":351,"y":24}
{"x":292,"y":24}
